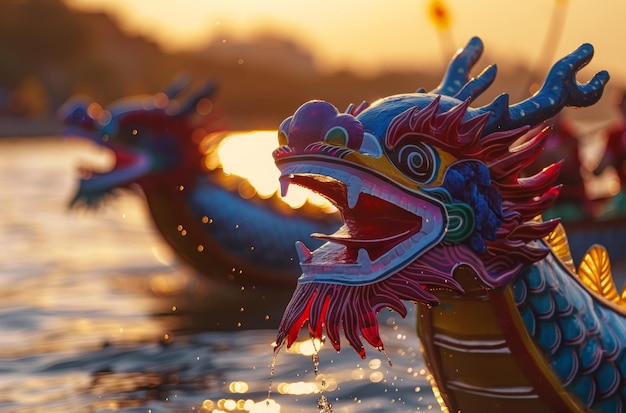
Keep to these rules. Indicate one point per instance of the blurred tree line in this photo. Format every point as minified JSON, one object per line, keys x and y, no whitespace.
{"x":49,"y":53}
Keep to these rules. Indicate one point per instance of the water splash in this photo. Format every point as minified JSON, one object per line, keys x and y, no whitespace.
{"x":323,"y":404}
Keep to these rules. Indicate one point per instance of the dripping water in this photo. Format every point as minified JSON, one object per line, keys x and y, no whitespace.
{"x":315,"y":358}
{"x":323,"y":404}
{"x":272,"y":372}
{"x":382,"y":350}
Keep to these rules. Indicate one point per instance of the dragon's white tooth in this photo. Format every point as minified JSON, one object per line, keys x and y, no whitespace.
{"x":284,"y":185}
{"x":354,"y":190}
{"x":401,"y":249}
{"x":304,"y":254}
{"x":363,"y":258}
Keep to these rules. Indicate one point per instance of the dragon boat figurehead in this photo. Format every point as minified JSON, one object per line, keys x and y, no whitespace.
{"x":149,"y":137}
{"x":424,"y":183}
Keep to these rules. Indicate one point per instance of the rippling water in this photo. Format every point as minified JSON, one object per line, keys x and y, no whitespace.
{"x":97,"y":315}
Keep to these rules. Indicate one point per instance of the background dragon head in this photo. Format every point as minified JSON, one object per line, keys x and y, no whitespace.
{"x":424,"y":183}
{"x":151,"y":138}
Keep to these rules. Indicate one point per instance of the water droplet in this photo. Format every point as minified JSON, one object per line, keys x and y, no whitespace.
{"x":382,"y":350}
{"x":315,"y":357}
{"x":324,"y":405}
{"x":316,"y":362}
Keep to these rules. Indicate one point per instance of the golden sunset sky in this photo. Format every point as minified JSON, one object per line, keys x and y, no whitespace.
{"x":370,"y":35}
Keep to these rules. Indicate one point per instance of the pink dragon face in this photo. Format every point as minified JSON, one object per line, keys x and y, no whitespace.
{"x":424,"y":183}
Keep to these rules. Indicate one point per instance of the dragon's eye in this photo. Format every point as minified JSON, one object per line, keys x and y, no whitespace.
{"x":283,"y":140}
{"x":417,"y":160}
{"x":337,"y":136}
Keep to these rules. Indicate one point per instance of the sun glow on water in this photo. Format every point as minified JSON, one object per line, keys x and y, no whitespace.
{"x":249,"y":155}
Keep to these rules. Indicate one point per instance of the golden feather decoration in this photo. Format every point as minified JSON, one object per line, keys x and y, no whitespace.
{"x":595,"y":272}
{"x":557,"y":240}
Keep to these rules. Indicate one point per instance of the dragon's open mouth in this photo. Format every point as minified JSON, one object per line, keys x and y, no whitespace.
{"x":385,"y":226}
{"x":128,"y":166}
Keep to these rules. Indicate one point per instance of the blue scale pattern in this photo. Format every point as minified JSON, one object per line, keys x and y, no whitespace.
{"x":584,"y":339}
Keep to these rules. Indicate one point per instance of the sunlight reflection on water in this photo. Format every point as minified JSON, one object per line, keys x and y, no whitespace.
{"x":97,"y":315}
{"x":258,"y":150}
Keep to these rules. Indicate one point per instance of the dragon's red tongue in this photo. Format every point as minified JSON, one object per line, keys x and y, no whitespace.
{"x":123,"y":158}
{"x":372,"y":235}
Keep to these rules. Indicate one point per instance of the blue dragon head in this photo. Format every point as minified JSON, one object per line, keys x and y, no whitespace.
{"x":152,"y":139}
{"x":425,"y":183}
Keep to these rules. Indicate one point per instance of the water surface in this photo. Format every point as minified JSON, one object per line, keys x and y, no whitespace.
{"x":97,"y":315}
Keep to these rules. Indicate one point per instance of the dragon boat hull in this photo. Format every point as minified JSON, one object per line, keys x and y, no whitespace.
{"x":547,"y":342}
{"x":472,"y":366}
{"x":478,"y":357}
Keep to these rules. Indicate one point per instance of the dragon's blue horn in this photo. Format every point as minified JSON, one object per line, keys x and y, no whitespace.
{"x":559,"y":90}
{"x":177,"y":85}
{"x":456,"y":81}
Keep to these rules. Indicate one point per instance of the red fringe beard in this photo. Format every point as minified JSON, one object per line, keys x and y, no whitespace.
{"x":354,"y":308}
